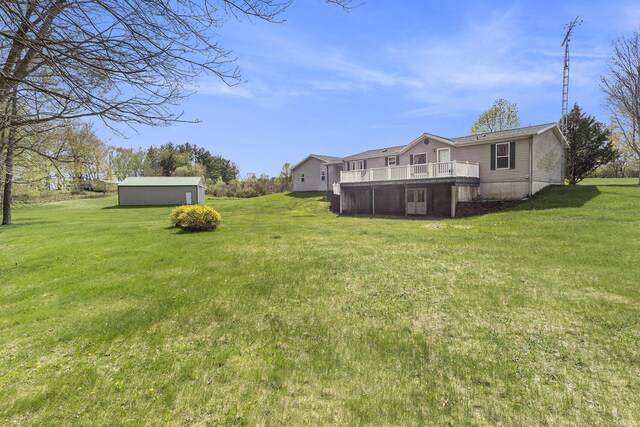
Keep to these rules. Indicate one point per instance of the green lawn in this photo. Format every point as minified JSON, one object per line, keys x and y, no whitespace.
{"x":289,"y":314}
{"x":609,"y":181}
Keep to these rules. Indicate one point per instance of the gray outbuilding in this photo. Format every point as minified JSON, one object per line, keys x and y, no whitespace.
{"x":161,"y":190}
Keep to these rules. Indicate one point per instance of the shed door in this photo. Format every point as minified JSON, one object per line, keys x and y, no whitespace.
{"x":188,"y":197}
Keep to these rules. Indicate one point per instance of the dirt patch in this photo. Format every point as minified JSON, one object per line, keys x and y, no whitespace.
{"x":437,"y":225}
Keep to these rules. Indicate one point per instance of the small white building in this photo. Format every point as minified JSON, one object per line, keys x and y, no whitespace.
{"x":161,"y":190}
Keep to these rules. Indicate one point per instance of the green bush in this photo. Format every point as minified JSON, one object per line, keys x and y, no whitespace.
{"x":195,"y":217}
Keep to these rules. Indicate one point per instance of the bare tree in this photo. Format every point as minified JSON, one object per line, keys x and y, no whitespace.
{"x":621,"y":85}
{"x":125,"y":61}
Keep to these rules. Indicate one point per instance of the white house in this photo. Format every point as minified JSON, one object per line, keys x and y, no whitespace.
{"x":429,"y":175}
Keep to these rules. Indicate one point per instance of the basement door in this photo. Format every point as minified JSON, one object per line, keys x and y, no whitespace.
{"x":417,"y":201}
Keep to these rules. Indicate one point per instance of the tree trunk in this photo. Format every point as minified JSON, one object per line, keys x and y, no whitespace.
{"x":8,"y":184}
{"x":8,"y":180}
{"x":2,"y":146}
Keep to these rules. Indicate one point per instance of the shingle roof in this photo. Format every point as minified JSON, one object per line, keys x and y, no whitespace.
{"x":387,"y":151}
{"x":322,"y":158}
{"x":380,"y":151}
{"x":511,"y":133}
{"x":160,"y":181}
{"x":327,"y":159}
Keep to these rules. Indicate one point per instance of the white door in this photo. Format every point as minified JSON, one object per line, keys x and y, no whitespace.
{"x":443,"y":167}
{"x":411,"y":202}
{"x":421,"y":201}
{"x":443,"y":155}
{"x":188,"y":196}
{"x":417,"y":201}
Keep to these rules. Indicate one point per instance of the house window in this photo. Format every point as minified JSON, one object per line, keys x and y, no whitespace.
{"x":323,"y":175}
{"x":301,"y":176}
{"x":502,"y":156}
{"x":356,"y":165}
{"x":420,"y":159}
{"x":391,"y":161}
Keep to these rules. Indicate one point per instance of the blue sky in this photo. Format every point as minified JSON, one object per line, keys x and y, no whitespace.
{"x":333,"y":82}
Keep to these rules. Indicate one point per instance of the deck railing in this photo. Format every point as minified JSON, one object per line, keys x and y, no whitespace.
{"x":424,"y":171}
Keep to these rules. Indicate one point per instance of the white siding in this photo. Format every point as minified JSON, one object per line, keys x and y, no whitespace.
{"x":312,"y":179}
{"x":504,"y":190}
{"x":430,"y":149}
{"x":481,"y":154}
{"x":466,"y":193}
{"x":548,"y":161}
{"x":502,"y":184}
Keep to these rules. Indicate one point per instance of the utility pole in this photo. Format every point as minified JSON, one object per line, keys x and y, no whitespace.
{"x":565,"y":77}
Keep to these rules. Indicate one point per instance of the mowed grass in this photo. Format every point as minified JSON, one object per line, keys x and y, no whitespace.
{"x":290,"y":315}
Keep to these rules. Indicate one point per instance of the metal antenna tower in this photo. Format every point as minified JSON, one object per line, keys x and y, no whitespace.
{"x":565,"y":75}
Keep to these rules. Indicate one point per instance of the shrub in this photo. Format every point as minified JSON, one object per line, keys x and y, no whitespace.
{"x":195,"y":217}
{"x":219,"y":189}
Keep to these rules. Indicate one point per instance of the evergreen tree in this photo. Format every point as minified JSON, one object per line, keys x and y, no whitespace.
{"x":590,"y":145}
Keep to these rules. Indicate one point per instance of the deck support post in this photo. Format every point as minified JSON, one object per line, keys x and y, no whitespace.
{"x":373,"y":200}
{"x":341,"y":192}
{"x":406,"y":213}
{"x":454,"y":200}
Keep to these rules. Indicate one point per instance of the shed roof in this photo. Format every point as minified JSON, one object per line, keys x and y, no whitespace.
{"x":160,"y":181}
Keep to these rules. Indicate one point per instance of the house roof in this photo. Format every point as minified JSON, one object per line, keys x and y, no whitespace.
{"x":398,"y":149}
{"x":321,"y":157}
{"x":326,"y":159}
{"x":160,"y":181}
{"x":387,"y":151}
{"x":504,"y":134}
{"x":462,"y":140}
{"x":509,"y":134}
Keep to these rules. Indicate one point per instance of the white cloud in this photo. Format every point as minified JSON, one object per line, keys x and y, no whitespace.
{"x":464,"y":70}
{"x":305,"y":66}
{"x":472,"y":66}
{"x":212,"y":88}
{"x":362,"y":75}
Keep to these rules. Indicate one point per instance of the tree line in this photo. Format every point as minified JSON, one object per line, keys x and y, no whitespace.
{"x":73,"y":158}
{"x":171,"y":160}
